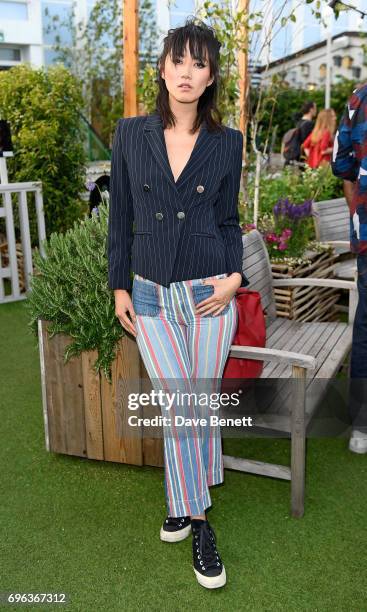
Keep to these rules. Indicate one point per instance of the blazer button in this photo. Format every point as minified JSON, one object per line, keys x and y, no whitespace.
{"x":200,"y":188}
{"x":159,"y":216}
{"x":146,"y":187}
{"x":181,"y":215}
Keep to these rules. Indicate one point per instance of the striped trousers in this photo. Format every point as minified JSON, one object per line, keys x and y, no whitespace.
{"x":185,"y":351}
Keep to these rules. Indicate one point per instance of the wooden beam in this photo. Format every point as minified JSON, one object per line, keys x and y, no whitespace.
{"x":130,"y":57}
{"x":244,"y":81}
{"x":257,"y":467}
{"x":298,"y":443}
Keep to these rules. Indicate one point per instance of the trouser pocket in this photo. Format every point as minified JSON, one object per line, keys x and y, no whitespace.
{"x":145,"y":298}
{"x":202,"y":292}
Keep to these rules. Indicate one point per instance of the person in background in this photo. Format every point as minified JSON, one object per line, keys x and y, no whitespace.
{"x":291,"y":145}
{"x":307,"y":121}
{"x":349,"y":162}
{"x":318,"y":145}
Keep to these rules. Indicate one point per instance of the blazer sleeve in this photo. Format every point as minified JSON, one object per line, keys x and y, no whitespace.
{"x":227,"y":211}
{"x":120,"y":218}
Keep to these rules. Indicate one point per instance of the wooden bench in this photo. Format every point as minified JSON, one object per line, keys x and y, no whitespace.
{"x":331,"y":219}
{"x":308,"y":353}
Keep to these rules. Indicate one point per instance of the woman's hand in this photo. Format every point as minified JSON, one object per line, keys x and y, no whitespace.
{"x":124,"y":305}
{"x":224,"y":290}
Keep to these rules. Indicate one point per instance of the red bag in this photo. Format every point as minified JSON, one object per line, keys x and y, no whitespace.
{"x":251,"y":331}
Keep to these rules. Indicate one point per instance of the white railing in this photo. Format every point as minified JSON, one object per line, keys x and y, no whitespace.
{"x":6,"y":211}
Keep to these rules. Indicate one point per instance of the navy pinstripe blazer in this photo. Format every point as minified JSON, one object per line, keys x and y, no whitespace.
{"x":170,"y":231}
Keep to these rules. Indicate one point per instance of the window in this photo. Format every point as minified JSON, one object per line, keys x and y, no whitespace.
{"x":50,"y":56}
{"x":322,"y":71}
{"x":347,"y":61}
{"x":14,"y":10}
{"x":61,"y":27}
{"x":305,"y":70}
{"x":356,"y":72}
{"x":337,"y":60}
{"x":8,"y":54}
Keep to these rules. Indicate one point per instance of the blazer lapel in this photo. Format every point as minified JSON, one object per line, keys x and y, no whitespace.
{"x":205,"y":142}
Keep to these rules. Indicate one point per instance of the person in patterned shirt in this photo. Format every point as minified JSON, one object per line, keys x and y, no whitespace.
{"x":349,"y":162}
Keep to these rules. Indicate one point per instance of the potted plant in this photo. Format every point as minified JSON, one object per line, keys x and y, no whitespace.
{"x":88,"y":363}
{"x":289,"y":236}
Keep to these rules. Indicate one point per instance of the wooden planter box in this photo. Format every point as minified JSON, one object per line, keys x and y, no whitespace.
{"x":84,"y":414}
{"x":307,"y":303}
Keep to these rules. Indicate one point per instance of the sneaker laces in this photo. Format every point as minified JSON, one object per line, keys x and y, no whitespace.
{"x":207,"y":546}
{"x":175,"y":520}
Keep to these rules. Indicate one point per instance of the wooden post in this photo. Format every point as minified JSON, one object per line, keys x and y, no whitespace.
{"x":244,"y":79}
{"x":298,"y":441}
{"x":131,"y":57}
{"x":257,"y":188}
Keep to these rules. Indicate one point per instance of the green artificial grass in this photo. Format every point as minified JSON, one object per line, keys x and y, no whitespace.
{"x":91,"y":529}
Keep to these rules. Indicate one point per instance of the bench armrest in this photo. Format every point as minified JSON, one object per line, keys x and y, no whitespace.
{"x":337,"y":243}
{"x":267,"y":354}
{"x":314,"y":282}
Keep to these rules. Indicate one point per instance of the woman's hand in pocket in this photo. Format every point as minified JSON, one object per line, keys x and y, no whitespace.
{"x":224,"y":290}
{"x":123,"y":307}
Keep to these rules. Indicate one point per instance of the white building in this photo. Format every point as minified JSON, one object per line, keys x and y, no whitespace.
{"x":276,"y":41}
{"x":307,"y":68}
{"x":23,"y":26}
{"x":21,"y":37}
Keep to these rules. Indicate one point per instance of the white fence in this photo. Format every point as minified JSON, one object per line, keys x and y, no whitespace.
{"x":6,"y":210}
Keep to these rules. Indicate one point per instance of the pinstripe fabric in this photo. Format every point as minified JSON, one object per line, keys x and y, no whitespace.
{"x":185,"y":351}
{"x":207,"y":241}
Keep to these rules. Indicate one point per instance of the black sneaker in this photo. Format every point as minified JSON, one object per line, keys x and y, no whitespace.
{"x":175,"y":528}
{"x":208,"y":566}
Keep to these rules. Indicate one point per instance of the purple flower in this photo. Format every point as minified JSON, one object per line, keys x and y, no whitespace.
{"x":90,"y":185}
{"x":293,"y":211}
{"x":95,"y":211}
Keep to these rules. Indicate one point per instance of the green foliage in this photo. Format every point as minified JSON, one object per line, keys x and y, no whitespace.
{"x":299,"y":188}
{"x":280,"y":105}
{"x":95,"y":56}
{"x":148,"y":88}
{"x":70,"y":289}
{"x":286,"y":236}
{"x":311,"y":184}
{"x":42,"y":108}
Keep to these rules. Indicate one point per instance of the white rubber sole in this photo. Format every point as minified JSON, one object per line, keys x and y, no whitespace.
{"x":211,"y":583}
{"x":175,"y":536}
{"x":358,"y":445}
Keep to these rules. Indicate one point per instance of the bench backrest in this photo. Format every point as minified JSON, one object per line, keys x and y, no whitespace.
{"x":256,"y":266}
{"x":331,"y":219}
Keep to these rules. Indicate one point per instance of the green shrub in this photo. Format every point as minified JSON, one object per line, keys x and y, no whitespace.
{"x":288,"y":232}
{"x":70,"y":289}
{"x":42,"y":108}
{"x":315,"y":185}
{"x":282,"y":103}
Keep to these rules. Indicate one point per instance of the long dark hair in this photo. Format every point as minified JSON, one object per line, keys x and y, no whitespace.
{"x":200,"y":37}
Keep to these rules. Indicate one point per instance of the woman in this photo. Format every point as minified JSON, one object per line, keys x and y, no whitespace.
{"x":176,"y":174}
{"x":318,"y":146}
